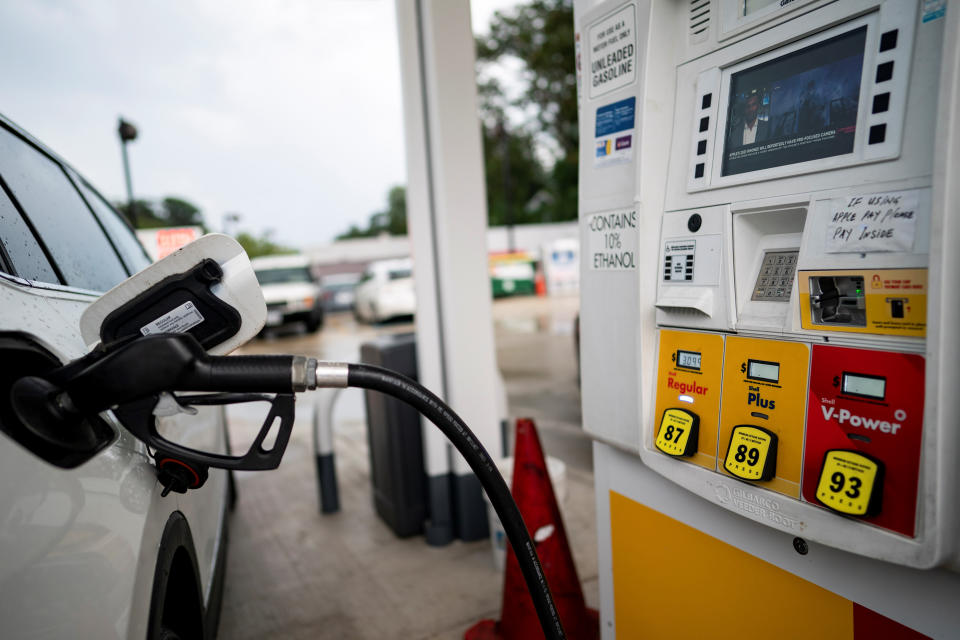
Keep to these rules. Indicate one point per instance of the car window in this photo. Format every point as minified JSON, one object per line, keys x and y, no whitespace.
{"x":284,"y":275}
{"x":399,"y":274}
{"x":73,"y":237}
{"x":21,"y":247}
{"x":124,"y":239}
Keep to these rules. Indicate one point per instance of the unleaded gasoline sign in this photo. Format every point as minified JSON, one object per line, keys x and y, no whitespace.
{"x":612,"y":51}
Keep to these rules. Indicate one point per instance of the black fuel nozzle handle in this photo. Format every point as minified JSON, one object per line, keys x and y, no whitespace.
{"x":139,"y":368}
{"x":130,"y":375}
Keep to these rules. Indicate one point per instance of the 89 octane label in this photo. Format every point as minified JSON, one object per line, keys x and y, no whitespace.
{"x":612,"y":241}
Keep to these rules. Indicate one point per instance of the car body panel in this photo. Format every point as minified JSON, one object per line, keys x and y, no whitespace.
{"x":78,"y":547}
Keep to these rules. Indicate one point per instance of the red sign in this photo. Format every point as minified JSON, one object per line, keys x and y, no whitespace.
{"x":169,"y":240}
{"x":869,"y":402}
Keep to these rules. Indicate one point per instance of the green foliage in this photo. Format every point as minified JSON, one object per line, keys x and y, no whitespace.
{"x":180,"y":213}
{"x":261,"y":246}
{"x":169,"y":212}
{"x":521,"y":187}
{"x":514,"y":177}
{"x":392,"y":221}
{"x":139,"y":214}
{"x":539,"y":33}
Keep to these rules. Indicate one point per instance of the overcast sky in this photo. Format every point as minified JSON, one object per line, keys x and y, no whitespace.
{"x":286,"y":112}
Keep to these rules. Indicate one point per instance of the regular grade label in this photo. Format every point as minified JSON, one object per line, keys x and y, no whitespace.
{"x":850,"y":483}
{"x":678,"y":433}
{"x":752,"y":453}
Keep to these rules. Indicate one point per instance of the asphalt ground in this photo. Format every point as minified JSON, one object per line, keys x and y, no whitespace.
{"x":295,"y":573}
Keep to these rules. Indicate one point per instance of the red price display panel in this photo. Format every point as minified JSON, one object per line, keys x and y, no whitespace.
{"x":869,"y":402}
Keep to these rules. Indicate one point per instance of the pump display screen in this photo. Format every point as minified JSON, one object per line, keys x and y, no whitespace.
{"x":798,"y":107}
{"x":688,"y":359}
{"x":762,"y":370}
{"x":867,"y":386}
{"x":749,"y":6}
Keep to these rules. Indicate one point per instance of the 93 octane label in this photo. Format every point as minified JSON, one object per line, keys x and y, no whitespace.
{"x":179,"y":320}
{"x":849,"y":483}
{"x":678,"y":433}
{"x":752,"y":453}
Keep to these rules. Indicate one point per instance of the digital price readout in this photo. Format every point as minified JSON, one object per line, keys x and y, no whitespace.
{"x":763,"y":370}
{"x":688,"y":359}
{"x":857,"y":384}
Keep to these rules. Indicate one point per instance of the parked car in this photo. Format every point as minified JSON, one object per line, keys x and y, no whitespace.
{"x":291,"y":293}
{"x":88,"y":547}
{"x":386,"y":291}
{"x":339,"y":291}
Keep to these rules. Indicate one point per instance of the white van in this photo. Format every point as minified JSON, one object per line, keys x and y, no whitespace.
{"x":291,"y":293}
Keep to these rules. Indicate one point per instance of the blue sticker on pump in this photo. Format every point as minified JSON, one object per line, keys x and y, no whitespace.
{"x":934,"y":9}
{"x":615,"y":117}
{"x":614,"y":133}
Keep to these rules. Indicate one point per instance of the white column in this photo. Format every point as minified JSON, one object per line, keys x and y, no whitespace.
{"x":447,"y":222}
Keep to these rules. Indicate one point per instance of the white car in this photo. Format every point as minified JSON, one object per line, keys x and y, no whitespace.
{"x":88,"y":547}
{"x":386,"y":291}
{"x":291,"y":293}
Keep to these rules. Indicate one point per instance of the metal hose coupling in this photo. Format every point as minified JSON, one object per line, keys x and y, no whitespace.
{"x":310,"y":373}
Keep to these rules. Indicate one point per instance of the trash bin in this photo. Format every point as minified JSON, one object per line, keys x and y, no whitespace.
{"x":393,"y":434}
{"x":498,"y":538}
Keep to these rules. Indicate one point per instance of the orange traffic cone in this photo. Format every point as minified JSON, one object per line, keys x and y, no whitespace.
{"x":538,"y":506}
{"x":540,"y":283}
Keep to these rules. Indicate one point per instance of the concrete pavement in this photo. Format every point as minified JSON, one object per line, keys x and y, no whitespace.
{"x":293,"y":573}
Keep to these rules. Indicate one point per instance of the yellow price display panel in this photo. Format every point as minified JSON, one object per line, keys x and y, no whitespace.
{"x":689,"y":379}
{"x":765,"y":385}
{"x":752,"y":453}
{"x":678,"y":432}
{"x":851,"y":483}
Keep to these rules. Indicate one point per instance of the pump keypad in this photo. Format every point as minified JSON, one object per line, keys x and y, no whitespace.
{"x":752,"y":454}
{"x":851,"y":483}
{"x":678,"y":432}
{"x":775,"y":279}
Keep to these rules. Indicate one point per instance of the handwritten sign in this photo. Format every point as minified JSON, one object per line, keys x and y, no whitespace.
{"x":873,"y":222}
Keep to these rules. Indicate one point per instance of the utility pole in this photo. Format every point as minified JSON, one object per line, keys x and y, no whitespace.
{"x":127,"y":133}
{"x":504,"y":142}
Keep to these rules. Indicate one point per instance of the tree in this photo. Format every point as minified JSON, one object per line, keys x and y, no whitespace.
{"x":393,"y":220}
{"x":262,"y":245}
{"x":180,"y":213}
{"x":139,"y":214}
{"x":169,"y":212}
{"x":540,"y":35}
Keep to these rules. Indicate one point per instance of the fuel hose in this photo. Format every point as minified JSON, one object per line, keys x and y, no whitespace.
{"x":115,"y":376}
{"x":406,"y":390}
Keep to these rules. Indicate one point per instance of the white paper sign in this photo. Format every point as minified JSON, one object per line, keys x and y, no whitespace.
{"x":612,"y":240}
{"x":612,"y":51}
{"x":873,"y":222}
{"x":180,"y":320}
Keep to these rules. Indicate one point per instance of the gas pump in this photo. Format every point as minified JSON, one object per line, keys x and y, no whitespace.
{"x":767,"y":300}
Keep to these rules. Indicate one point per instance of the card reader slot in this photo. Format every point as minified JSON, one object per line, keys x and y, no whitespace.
{"x":838,"y":300}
